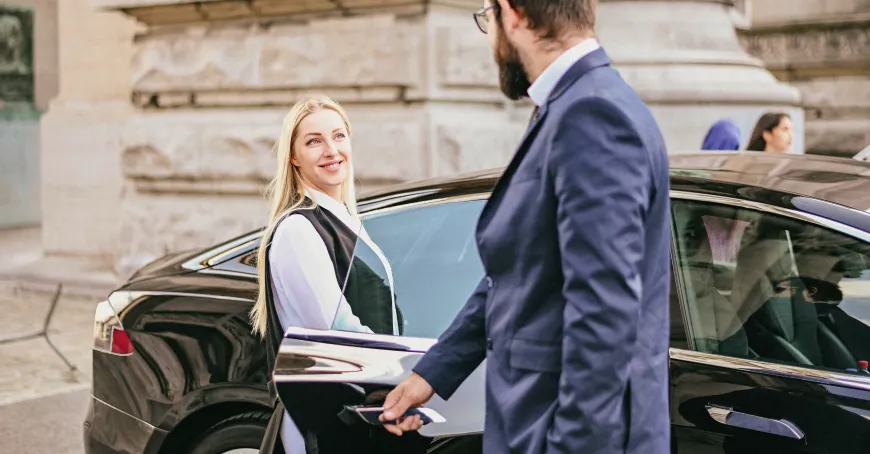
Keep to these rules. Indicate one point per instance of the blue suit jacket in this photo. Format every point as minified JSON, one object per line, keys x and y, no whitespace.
{"x":572,"y":316}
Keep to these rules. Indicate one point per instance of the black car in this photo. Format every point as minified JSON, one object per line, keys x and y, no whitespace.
{"x":770,"y":322}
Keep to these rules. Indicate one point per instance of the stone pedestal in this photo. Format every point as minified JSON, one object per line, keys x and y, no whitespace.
{"x":685,"y":60}
{"x":211,"y":81}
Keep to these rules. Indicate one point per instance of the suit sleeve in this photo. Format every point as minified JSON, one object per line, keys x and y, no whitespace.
{"x":601,"y":177}
{"x":460,"y":349}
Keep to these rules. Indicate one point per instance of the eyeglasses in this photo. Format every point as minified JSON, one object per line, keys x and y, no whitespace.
{"x":482,"y":20}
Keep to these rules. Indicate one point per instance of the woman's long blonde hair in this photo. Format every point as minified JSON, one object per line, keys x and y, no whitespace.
{"x":286,"y":192}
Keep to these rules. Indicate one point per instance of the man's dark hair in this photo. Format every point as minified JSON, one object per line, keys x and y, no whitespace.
{"x":552,"y":18}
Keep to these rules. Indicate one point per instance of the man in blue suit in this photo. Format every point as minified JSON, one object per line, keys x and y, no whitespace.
{"x":572,"y":316}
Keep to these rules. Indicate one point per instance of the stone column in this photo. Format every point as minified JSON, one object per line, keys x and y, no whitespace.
{"x":685,"y":60}
{"x":81,"y":179}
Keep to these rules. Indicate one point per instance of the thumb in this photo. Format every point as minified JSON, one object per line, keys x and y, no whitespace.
{"x":395,"y":404}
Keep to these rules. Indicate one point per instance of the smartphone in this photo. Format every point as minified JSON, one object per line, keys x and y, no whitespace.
{"x":372,"y":415}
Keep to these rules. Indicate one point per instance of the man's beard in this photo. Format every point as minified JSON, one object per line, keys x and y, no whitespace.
{"x":512,"y":78}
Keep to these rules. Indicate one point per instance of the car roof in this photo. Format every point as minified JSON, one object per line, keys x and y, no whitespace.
{"x":839,"y":180}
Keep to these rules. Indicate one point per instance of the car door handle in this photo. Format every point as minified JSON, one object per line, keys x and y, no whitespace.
{"x":733,"y":418}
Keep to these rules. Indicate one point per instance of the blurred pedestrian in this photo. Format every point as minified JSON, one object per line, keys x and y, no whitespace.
{"x":723,"y":135}
{"x":772,"y":134}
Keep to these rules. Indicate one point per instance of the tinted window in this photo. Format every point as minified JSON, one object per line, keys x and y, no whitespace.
{"x":760,"y":285}
{"x":435,"y":264}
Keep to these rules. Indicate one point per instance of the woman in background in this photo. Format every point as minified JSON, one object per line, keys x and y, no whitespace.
{"x":773,"y":133}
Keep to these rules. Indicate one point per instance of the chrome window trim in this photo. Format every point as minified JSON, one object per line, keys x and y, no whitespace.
{"x":787,"y":212}
{"x":767,"y":368}
{"x":212,"y":256}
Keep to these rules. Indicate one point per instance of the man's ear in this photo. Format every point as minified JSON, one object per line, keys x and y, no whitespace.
{"x":510,"y":17}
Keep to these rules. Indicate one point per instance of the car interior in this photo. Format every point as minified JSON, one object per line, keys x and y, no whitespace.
{"x":765,"y":286}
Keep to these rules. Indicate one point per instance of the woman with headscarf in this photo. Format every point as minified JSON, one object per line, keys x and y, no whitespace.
{"x":723,"y":135}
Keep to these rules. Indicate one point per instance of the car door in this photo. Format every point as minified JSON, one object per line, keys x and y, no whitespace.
{"x":434,"y":264}
{"x":776,"y":305}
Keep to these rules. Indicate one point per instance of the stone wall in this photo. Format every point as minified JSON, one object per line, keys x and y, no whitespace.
{"x":823,"y":49}
{"x":161,"y":135}
{"x":685,"y":60}
{"x":210,"y":98}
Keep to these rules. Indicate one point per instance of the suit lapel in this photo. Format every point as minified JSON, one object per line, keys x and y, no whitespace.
{"x":591,"y":61}
{"x":525,"y":144}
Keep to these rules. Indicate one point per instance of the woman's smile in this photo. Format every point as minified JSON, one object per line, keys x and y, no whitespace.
{"x":332,"y":166}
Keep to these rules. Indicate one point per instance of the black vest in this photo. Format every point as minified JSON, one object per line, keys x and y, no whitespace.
{"x":367,"y":294}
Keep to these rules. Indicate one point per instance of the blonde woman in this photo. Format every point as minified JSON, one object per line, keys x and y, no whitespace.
{"x":307,"y":248}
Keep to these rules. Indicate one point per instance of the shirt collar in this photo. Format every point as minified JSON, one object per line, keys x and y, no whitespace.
{"x":334,"y":206}
{"x":540,"y":90}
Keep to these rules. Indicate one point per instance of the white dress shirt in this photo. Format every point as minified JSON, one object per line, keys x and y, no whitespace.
{"x":306,"y":291}
{"x":540,"y":90}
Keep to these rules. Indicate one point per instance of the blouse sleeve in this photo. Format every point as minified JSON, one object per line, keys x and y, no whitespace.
{"x":304,"y":275}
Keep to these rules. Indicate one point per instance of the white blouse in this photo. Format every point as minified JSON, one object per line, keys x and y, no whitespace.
{"x":306,"y":291}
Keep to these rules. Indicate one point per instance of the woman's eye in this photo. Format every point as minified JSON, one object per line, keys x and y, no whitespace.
{"x":340,"y":135}
{"x":313,"y":142}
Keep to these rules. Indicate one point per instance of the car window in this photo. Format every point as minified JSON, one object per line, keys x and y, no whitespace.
{"x":765,"y":286}
{"x":435,"y":266}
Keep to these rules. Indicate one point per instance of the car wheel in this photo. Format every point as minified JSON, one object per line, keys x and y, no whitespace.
{"x":241,"y":434}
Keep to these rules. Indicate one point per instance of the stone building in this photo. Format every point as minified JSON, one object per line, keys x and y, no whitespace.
{"x":822,"y":48}
{"x":159,"y":137}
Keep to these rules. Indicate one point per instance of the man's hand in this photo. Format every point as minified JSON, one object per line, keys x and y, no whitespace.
{"x":412,"y":392}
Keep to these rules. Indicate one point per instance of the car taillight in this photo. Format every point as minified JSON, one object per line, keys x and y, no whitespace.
{"x":109,"y":334}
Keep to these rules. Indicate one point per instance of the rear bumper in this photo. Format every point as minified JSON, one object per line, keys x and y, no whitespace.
{"x":108,"y":430}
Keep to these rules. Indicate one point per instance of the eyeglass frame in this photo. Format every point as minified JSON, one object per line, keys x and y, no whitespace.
{"x":480,"y":16}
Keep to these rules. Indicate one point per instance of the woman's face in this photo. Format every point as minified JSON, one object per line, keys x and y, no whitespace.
{"x":321,"y":151}
{"x":779,"y":140}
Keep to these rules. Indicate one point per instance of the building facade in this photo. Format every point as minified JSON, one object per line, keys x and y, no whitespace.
{"x":160,"y":136}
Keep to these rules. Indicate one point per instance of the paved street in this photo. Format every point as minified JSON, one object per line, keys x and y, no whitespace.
{"x":44,"y":425}
{"x":42,"y":402}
